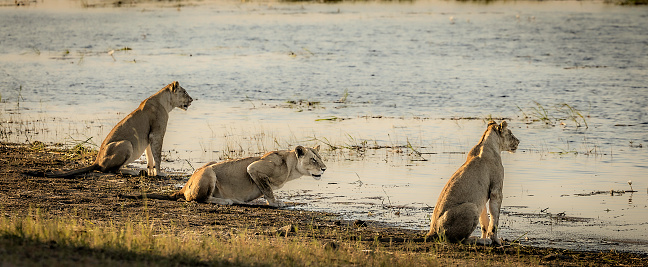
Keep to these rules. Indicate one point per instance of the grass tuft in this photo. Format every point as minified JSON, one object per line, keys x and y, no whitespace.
{"x":553,"y":115}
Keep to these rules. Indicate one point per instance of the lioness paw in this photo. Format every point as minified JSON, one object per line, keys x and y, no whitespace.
{"x":277,"y":203}
{"x":153,"y":172}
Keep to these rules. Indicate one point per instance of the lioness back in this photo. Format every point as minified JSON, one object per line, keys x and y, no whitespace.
{"x":232,"y":176}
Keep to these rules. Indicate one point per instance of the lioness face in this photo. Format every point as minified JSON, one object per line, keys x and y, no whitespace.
{"x":180,"y":97}
{"x":508,"y":141}
{"x":309,"y":161}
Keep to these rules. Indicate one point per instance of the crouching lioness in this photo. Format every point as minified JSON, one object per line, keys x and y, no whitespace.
{"x":143,"y":129}
{"x":242,"y":180}
{"x":462,"y":202}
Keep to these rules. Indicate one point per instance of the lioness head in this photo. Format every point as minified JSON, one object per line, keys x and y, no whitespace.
{"x":309,"y":161}
{"x":179,"y":97}
{"x":508,"y":142}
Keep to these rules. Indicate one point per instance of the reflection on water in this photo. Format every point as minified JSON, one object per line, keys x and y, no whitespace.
{"x":368,"y":75}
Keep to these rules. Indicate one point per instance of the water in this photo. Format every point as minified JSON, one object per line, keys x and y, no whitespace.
{"x":424,"y":72}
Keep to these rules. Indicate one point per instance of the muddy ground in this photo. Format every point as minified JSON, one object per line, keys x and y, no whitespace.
{"x":100,"y":198}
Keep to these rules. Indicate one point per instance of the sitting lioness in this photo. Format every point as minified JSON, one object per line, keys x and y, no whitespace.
{"x":243,"y":180}
{"x":462,"y":202}
{"x":143,"y":129}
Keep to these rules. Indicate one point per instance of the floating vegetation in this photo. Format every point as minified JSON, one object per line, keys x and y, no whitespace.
{"x":611,"y":192}
{"x":585,"y":67}
{"x":302,"y":105}
{"x":304,"y":53}
{"x":633,"y":145}
{"x":331,"y":118}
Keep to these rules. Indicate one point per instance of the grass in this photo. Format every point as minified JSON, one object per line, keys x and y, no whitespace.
{"x":344,"y":97}
{"x":139,"y":241}
{"x":80,"y":149}
{"x":554,"y":114}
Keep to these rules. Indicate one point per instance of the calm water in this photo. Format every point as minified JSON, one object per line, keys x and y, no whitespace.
{"x":396,"y":73}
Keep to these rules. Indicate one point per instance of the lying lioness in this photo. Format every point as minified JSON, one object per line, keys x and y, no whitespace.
{"x":143,"y":129}
{"x":462,"y":202}
{"x":242,"y":180}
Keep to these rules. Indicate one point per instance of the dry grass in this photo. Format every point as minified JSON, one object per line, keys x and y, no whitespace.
{"x":145,"y":243}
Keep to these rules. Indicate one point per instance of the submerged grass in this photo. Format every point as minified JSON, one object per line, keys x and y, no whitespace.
{"x":554,"y":114}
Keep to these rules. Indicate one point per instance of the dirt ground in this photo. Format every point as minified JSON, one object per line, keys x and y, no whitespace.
{"x":100,"y":198}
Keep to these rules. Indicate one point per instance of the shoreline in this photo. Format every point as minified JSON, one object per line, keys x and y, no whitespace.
{"x":95,"y":197}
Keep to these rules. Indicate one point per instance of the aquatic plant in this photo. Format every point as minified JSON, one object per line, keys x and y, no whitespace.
{"x":331,"y":118}
{"x":572,"y":114}
{"x":344,"y":97}
{"x":35,"y":50}
{"x":540,"y":113}
{"x":555,"y":114}
{"x":302,"y":105}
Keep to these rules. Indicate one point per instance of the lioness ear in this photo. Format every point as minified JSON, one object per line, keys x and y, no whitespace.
{"x":174,"y":86}
{"x":300,"y":151}
{"x":317,"y":147}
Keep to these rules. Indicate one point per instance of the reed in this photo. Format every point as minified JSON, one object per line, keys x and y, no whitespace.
{"x":554,"y":114}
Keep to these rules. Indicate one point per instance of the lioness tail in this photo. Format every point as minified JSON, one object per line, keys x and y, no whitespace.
{"x":72,"y":172}
{"x":174,"y":196}
{"x":177,"y":195}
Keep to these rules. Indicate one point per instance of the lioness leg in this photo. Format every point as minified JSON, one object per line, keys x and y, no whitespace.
{"x":151,"y":163}
{"x":494,"y":204}
{"x":483,"y":222}
{"x":200,"y":186}
{"x":263,"y":181}
{"x":114,"y":156}
{"x":458,"y":222}
{"x":154,"y":151}
{"x":221,"y":201}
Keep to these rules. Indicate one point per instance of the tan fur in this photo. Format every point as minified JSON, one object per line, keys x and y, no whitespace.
{"x":462,"y":202}
{"x":243,"y":180}
{"x":143,"y":129}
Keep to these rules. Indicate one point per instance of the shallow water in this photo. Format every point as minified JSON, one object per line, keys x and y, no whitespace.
{"x":426,"y":73}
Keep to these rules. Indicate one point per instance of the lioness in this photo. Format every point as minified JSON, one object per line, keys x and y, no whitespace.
{"x":242,"y":180}
{"x":143,"y":129}
{"x":478,"y":180}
